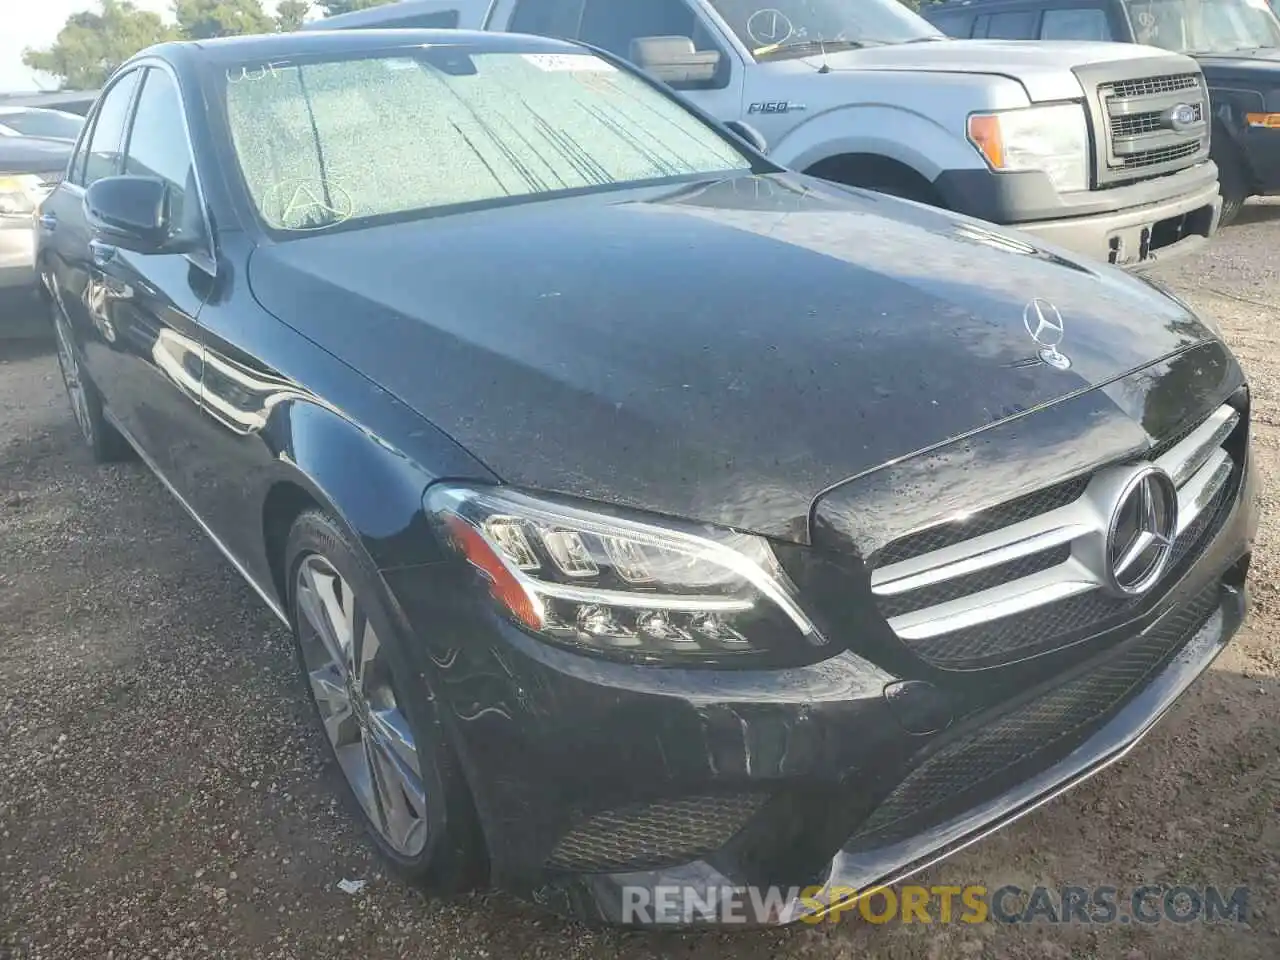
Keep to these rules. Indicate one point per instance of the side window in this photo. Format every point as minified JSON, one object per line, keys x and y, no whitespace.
{"x":441,"y":20}
{"x":158,"y":147}
{"x":952,"y":23}
{"x":1014,"y":25}
{"x":613,"y":24}
{"x":103,"y":157}
{"x":547,"y":18}
{"x":1078,"y":23}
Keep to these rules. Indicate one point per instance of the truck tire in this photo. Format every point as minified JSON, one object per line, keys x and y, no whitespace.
{"x":1233,"y":177}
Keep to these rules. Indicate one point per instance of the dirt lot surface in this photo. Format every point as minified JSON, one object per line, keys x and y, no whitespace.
{"x":163,"y":793}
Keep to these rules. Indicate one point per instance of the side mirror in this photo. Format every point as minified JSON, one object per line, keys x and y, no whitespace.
{"x":131,"y":213}
{"x":674,"y":60}
{"x":753,"y":137}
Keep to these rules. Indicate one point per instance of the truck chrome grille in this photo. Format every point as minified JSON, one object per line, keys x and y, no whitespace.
{"x":1012,"y":580}
{"x":1150,"y":158}
{"x":1149,"y":86}
{"x":1141,"y":137}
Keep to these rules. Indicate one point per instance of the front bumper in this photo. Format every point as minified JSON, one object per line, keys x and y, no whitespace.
{"x":1132,"y":226}
{"x":588,"y":775}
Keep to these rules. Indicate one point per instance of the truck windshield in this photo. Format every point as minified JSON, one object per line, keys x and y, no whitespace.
{"x":1204,"y":26}
{"x":773,"y":28}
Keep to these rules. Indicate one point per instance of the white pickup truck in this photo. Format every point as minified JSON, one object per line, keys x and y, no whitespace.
{"x":1101,"y":148}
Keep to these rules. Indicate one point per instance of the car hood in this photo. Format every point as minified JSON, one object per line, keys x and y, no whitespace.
{"x":1044,"y":68}
{"x":721,"y":351}
{"x":33,"y":154}
{"x":1261,"y":62}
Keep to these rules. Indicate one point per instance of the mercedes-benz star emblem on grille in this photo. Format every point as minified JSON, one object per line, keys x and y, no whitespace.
{"x":1044,"y":324}
{"x":1140,"y":537}
{"x":1182,"y":116}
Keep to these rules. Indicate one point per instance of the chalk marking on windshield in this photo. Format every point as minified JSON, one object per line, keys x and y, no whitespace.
{"x":313,"y":204}
{"x":257,"y":73}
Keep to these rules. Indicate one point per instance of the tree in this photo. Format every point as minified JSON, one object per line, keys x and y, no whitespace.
{"x":334,"y":7}
{"x":91,"y":45}
{"x":202,"y":19}
{"x":290,"y":14}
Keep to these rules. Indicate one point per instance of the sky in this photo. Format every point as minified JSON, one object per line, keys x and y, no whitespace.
{"x":35,"y":23}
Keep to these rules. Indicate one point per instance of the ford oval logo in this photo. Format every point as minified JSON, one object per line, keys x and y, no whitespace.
{"x":1183,"y":116}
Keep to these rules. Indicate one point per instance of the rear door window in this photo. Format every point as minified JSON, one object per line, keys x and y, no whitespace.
{"x":1010,"y":25}
{"x":1075,"y":23}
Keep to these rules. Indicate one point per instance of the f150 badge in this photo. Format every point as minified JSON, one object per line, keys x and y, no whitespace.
{"x":774,"y":106}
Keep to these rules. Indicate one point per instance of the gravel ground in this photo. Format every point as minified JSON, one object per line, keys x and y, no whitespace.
{"x":163,"y":793}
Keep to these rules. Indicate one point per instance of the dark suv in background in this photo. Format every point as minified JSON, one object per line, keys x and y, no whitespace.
{"x":1237,"y":43}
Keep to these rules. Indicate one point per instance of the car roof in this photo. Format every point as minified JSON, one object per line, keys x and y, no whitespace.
{"x":8,"y":110}
{"x":270,"y":46}
{"x":952,"y":5}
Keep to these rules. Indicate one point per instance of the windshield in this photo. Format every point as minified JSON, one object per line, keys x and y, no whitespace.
{"x":43,"y":123}
{"x":349,"y":141}
{"x":767,"y":26}
{"x":1204,"y":26}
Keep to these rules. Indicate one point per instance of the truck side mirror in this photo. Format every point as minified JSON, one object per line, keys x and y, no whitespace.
{"x":674,"y":60}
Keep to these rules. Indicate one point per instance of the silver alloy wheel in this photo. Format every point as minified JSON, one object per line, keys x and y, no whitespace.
{"x":351,"y":682}
{"x":71,"y":378}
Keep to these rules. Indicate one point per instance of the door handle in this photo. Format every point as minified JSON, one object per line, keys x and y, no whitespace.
{"x":48,"y":222}
{"x":102,"y":253}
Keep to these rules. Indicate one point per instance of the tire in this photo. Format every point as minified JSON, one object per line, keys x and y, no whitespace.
{"x":1233,"y":180}
{"x":106,"y":443}
{"x":402,"y":777}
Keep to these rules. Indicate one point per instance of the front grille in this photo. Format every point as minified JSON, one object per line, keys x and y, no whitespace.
{"x":1141,"y":139}
{"x":982,"y":521}
{"x":1135,"y":123}
{"x":982,"y":580}
{"x":1031,"y":736}
{"x":996,"y":593}
{"x":1149,"y":158}
{"x":649,"y":835}
{"x":1150,"y":86}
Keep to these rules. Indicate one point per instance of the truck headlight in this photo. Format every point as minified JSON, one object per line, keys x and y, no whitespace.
{"x":632,"y":587}
{"x":19,"y":195}
{"x":1053,"y":139}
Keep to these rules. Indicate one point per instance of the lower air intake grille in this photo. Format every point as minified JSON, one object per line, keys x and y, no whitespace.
{"x":1034,"y":734}
{"x":650,"y":835}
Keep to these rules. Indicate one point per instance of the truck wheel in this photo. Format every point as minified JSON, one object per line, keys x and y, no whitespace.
{"x":1233,"y":179}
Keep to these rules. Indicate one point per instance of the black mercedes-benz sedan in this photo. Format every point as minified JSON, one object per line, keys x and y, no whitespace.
{"x":660,"y":530}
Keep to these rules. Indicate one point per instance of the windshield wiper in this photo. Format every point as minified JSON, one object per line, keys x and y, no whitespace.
{"x":798,"y":46}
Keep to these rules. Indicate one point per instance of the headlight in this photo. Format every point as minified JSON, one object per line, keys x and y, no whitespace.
{"x":612,"y":585}
{"x":1053,"y":139}
{"x":19,"y":195}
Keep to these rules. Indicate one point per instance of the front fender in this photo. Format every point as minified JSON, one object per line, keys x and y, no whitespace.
{"x":905,"y":135}
{"x":1230,"y":105}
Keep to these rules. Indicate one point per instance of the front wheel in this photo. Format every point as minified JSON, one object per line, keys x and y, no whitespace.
{"x":377,"y":718}
{"x":105,"y":442}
